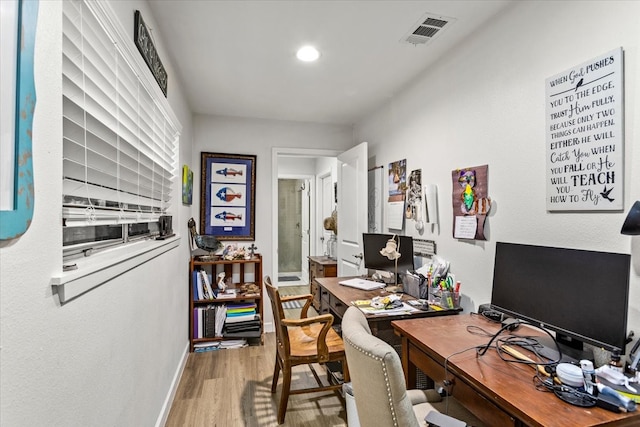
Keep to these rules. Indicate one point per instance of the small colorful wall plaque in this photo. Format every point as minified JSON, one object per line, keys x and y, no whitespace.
{"x":187,"y":185}
{"x":397,"y":182}
{"x":415,"y":207}
{"x":471,"y":202}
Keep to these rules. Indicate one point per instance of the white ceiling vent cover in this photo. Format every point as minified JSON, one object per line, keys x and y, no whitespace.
{"x":427,"y":28}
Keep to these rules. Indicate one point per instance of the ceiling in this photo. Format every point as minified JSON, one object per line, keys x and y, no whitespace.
{"x":237,"y":58}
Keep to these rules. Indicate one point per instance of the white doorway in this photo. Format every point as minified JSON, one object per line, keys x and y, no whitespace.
{"x":291,"y":163}
{"x":355,"y":189}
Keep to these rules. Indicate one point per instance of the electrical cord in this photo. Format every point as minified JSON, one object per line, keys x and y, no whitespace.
{"x":490,"y":315}
{"x":568,"y":394}
{"x":541,"y":381}
{"x":446,"y":382}
{"x":483,"y":349}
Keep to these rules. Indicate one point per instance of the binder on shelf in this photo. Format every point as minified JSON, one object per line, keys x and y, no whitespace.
{"x":195,"y":323}
{"x":197,"y":283}
{"x":241,"y":307}
{"x":243,"y":334}
{"x":241,"y":318}
{"x":221,"y":315}
{"x":252,"y":324}
{"x":210,"y":322}
{"x":206,"y":284}
{"x":200,"y":323}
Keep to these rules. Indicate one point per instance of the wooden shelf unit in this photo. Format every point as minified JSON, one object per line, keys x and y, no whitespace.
{"x":234,"y":269}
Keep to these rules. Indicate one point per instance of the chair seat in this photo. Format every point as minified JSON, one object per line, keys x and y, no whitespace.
{"x":303,"y":341}
{"x":449,"y":406}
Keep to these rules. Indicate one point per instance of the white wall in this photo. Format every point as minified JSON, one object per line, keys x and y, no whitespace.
{"x":484,"y":104}
{"x":295,"y":166}
{"x":109,"y":357}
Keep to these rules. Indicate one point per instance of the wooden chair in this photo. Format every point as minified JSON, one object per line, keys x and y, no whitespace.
{"x":302,"y":342}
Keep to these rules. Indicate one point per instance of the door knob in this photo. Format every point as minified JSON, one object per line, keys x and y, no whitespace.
{"x":359,"y":256}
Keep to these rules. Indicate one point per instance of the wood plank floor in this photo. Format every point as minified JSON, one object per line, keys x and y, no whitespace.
{"x":228,"y":388}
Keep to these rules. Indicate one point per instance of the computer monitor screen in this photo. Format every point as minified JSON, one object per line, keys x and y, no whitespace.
{"x":581,"y":295}
{"x":374,"y":260}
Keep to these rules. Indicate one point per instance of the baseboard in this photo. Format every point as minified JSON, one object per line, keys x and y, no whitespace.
{"x":171,"y":394}
{"x":268,"y":327}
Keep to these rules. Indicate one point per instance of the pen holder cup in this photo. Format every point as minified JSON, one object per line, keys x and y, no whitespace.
{"x":449,"y":299}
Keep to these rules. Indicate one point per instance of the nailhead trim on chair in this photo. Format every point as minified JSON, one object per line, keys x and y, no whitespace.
{"x":386,"y":380}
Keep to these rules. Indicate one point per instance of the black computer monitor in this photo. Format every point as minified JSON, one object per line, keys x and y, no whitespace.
{"x":581,"y":295}
{"x":374,"y":260}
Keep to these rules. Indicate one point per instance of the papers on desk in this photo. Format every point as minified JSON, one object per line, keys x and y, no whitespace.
{"x":366,"y":308}
{"x":365,"y":285}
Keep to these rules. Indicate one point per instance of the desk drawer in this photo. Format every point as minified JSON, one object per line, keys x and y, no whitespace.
{"x":324,"y":308}
{"x":480,"y":406}
{"x":476,"y":403}
{"x":337,"y":306}
{"x":324,"y":295}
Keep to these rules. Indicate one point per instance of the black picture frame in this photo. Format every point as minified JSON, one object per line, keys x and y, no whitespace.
{"x":227,"y":199}
{"x":143,"y":41}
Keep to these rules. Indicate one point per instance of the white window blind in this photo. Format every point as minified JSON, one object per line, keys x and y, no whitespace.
{"x":119,"y":142}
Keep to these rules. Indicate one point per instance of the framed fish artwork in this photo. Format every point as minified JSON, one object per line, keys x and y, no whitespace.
{"x":227,"y":201}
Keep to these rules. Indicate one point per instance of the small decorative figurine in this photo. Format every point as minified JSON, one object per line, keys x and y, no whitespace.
{"x":221,"y":284}
{"x":252,"y":250}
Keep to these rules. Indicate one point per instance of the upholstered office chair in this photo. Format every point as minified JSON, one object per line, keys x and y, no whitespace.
{"x":379,"y":388}
{"x":302,"y":342}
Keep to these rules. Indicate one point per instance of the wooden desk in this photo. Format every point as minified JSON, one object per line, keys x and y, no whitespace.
{"x":336,"y":298}
{"x":497,"y":392}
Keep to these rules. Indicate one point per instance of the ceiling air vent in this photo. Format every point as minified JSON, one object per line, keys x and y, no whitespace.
{"x":427,"y":28}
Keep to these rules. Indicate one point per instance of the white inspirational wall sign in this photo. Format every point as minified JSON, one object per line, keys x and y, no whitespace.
{"x":584,"y":118}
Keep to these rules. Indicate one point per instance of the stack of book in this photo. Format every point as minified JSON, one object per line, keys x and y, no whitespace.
{"x":207,"y":346}
{"x":242,"y":321}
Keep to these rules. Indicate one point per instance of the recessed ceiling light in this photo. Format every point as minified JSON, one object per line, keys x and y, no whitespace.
{"x":308,"y":54}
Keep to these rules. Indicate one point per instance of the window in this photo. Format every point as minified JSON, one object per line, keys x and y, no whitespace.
{"x":119,"y":136}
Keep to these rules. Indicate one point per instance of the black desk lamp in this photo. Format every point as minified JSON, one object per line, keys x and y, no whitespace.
{"x":631,"y":224}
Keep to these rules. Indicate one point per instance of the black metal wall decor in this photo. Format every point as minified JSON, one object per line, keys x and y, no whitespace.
{"x":144,"y":43}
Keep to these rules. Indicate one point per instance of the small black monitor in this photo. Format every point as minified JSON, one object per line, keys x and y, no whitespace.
{"x":374,"y":260}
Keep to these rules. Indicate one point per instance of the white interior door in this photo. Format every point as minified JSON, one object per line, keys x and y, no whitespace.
{"x":305,"y":229}
{"x":352,"y":209}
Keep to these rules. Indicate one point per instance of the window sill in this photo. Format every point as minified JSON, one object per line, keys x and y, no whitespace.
{"x":98,"y":270}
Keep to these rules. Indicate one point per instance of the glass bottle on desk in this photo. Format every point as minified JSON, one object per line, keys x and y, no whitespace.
{"x":332,"y":246}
